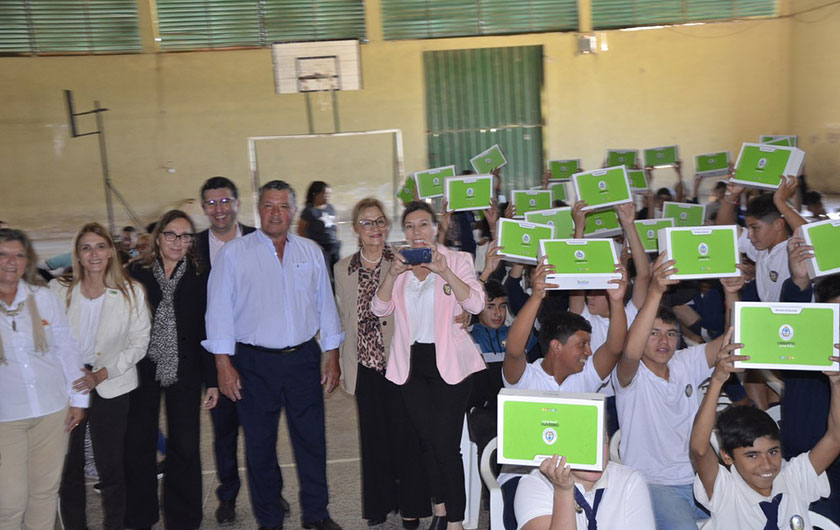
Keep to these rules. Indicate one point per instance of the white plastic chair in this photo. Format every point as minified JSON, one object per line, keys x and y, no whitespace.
{"x":775,"y":412}
{"x":497,"y":505}
{"x":615,"y":445}
{"x":472,"y":480}
{"x":822,"y":522}
{"x":775,"y":384}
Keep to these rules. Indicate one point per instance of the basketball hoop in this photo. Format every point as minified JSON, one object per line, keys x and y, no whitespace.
{"x":322,"y":83}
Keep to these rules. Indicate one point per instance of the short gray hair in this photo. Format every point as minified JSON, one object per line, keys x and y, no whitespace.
{"x":278,"y":185}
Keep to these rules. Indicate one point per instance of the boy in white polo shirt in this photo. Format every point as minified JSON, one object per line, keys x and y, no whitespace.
{"x":593,"y":305}
{"x":760,"y":490}
{"x":555,"y":496}
{"x":564,"y":339}
{"x":765,"y":239}
{"x":566,"y":365}
{"x":657,"y":395}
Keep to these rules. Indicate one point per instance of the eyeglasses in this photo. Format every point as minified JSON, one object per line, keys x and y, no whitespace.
{"x":221,"y":202}
{"x":367,"y":224}
{"x":185,"y":238}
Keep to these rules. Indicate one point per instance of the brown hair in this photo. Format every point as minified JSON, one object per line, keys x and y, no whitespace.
{"x":30,"y":274}
{"x":165,"y":219}
{"x":415,"y":206}
{"x":115,"y":276}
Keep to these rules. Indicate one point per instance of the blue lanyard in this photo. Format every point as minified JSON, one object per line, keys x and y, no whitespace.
{"x":590,"y":511}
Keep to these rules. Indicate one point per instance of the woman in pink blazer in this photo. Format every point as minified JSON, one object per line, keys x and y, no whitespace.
{"x":431,"y":357}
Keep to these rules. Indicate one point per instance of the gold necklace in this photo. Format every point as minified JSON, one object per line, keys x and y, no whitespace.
{"x":12,"y":313}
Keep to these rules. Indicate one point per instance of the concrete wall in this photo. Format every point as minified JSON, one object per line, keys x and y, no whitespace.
{"x":176,"y":119}
{"x":815,"y":90}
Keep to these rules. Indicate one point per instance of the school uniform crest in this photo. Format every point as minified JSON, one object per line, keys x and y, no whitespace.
{"x":689,"y":390}
{"x":447,"y":290}
{"x":774,"y":276}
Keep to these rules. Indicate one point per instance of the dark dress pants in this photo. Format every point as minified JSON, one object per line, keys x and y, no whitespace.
{"x":182,"y":490}
{"x":437,"y":409}
{"x":392,"y":469}
{"x":107,"y":418}
{"x":271,"y":381}
{"x":225,"y":438}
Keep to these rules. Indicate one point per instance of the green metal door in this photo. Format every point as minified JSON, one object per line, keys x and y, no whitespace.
{"x":480,"y":97}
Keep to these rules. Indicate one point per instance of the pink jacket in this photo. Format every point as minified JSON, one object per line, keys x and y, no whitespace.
{"x":457,"y":354}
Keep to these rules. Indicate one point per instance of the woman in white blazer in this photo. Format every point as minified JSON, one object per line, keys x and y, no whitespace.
{"x":110,"y":319}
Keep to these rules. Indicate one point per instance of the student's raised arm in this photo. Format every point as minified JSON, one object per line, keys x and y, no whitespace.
{"x":731,"y":294}
{"x":563,"y":497}
{"x":787,"y":189}
{"x":639,"y":332}
{"x":445,"y":218}
{"x":515,"y":360}
{"x":798,"y":255}
{"x":607,"y":354}
{"x":577,"y":299}
{"x":679,"y":187}
{"x":627,"y":216}
{"x":702,"y":455}
{"x":828,"y":448}
{"x":650,"y":196}
{"x":726,"y":211}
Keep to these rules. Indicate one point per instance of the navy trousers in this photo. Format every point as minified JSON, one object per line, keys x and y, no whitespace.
{"x":270,"y":382}
{"x":225,"y":437}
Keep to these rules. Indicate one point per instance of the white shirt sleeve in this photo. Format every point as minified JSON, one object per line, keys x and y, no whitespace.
{"x":66,"y":347}
{"x":219,"y":318}
{"x":526,"y":380}
{"x":803,"y":479}
{"x":534,"y":498}
{"x":638,"y":508}
{"x":723,"y":489}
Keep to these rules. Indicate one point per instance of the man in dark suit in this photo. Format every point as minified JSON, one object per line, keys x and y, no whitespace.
{"x":220,"y":201}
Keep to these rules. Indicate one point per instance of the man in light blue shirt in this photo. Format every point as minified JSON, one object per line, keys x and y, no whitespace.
{"x":268,"y":296}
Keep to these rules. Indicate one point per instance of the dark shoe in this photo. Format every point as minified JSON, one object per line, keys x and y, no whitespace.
{"x":285,"y":505}
{"x":438,"y":523}
{"x":411,"y":524}
{"x":323,"y":524}
{"x":226,"y":512}
{"x":376,"y":520}
{"x":272,"y":528}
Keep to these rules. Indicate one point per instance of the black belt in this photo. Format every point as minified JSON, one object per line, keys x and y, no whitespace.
{"x":281,"y":351}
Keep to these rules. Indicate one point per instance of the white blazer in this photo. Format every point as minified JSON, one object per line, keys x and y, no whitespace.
{"x":122,"y":337}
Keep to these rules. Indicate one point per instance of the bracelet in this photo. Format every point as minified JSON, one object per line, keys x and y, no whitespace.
{"x":733,"y":203}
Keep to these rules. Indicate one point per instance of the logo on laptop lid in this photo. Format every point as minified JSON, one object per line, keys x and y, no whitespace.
{"x":786,"y":332}
{"x":549,"y":436}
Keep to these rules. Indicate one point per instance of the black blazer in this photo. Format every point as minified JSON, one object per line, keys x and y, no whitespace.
{"x":202,"y":241}
{"x":195,"y":364}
